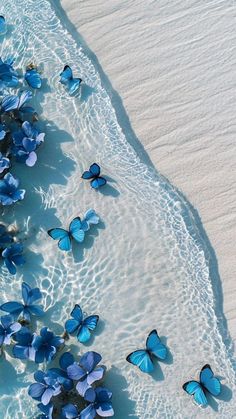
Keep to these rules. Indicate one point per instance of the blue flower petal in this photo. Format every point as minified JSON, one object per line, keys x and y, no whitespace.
{"x":46,"y":396}
{"x":65,"y":360}
{"x":75,"y":372}
{"x":36,"y":390}
{"x":89,"y":360}
{"x":69,"y":411}
{"x":36,"y":310}
{"x":20,"y":352}
{"x":39,"y":376}
{"x":12,"y":307}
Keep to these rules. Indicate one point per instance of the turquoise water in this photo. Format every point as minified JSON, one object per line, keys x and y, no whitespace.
{"x":147,"y":265}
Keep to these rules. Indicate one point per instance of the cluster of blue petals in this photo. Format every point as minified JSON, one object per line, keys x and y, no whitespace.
{"x":10,"y":250}
{"x":19,"y":141}
{"x":40,"y":347}
{"x":88,"y":402}
{"x":69,"y":390}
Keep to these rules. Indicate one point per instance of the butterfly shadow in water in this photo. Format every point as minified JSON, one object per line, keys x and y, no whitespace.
{"x":123,"y":406}
{"x":48,"y":319}
{"x":157,"y":373}
{"x":169,"y":356}
{"x":109,"y":190}
{"x":212,"y":402}
{"x":9,"y":379}
{"x":34,"y":263}
{"x":7,"y":35}
{"x":38,"y":94}
{"x":85,"y":92}
{"x":225,"y":395}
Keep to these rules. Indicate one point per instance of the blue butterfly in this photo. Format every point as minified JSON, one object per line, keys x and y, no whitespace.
{"x":3,"y":26}
{"x":143,"y":358}
{"x":75,"y":231}
{"x":80,"y":325}
{"x":208,"y":383}
{"x":69,"y":81}
{"x":90,"y":217}
{"x":94,"y":174}
{"x":33,"y":78}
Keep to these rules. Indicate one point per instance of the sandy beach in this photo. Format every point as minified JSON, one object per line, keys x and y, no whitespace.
{"x":170,"y":66}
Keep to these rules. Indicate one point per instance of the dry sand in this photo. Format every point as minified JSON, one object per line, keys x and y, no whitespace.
{"x":170,"y":69}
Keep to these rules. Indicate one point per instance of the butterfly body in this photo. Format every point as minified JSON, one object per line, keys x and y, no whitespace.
{"x":143,"y":358}
{"x":77,"y":229}
{"x":93,"y":174}
{"x":80,"y":325}
{"x":207,"y":383}
{"x":69,"y":81}
{"x":65,"y":237}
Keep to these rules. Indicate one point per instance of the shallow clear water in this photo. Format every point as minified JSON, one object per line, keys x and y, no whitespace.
{"x":145,"y":267}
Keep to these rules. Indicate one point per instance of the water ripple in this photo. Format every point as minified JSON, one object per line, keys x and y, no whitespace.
{"x":146,"y":268}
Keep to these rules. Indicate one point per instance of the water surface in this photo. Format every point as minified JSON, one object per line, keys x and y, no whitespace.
{"x":144,"y":267}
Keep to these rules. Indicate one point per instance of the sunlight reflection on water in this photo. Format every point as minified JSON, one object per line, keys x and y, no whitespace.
{"x":144,"y":267}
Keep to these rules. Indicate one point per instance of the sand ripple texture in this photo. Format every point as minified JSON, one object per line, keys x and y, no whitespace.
{"x":144,"y":267}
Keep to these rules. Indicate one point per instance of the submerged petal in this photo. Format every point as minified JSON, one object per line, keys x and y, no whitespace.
{"x":75,"y":372}
{"x":36,"y":390}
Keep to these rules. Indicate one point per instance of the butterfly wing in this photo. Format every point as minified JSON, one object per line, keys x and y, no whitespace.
{"x":141,"y":359}
{"x":63,"y":237}
{"x":211,"y":383}
{"x":57,"y":233}
{"x":66,"y":75}
{"x":98,"y":182}
{"x":33,"y":79}
{"x":195,"y":389}
{"x":93,"y":172}
{"x":65,"y":243}
{"x":84,"y":334}
{"x":25,"y":289}
{"x":87,"y":175}
{"x":3,"y":26}
{"x":90,"y":323}
{"x":71,"y":325}
{"x":77,"y":313}
{"x":74,"y":85}
{"x":90,"y":217}
{"x":155,"y":346}
{"x":76,"y":230}
{"x":95,"y":169}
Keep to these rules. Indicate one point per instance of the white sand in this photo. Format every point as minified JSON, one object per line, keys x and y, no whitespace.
{"x":172,"y":65}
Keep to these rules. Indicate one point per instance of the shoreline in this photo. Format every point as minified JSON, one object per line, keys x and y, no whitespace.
{"x":166,"y":118}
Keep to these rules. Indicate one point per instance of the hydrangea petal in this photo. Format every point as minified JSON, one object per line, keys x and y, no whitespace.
{"x":95,"y":375}
{"x":75,"y":372}
{"x":65,"y":360}
{"x":82,"y":386}
{"x":36,"y":390}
